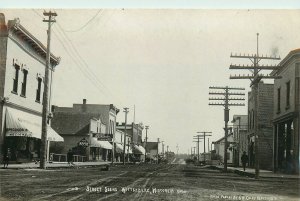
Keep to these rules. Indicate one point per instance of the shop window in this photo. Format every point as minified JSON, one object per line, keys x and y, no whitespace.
{"x":288,"y":84}
{"x":38,"y":91}
{"x":16,"y":79}
{"x":23,"y":90}
{"x":278,"y":100}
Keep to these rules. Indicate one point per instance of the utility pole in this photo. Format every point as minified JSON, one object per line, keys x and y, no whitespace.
{"x":208,"y":144}
{"x":146,"y":127}
{"x":125,"y":131}
{"x":198,"y":137}
{"x":177,"y":148}
{"x":204,"y":134}
{"x":157,"y":148}
{"x":255,"y":78}
{"x":226,"y":103}
{"x":162,"y":144}
{"x":45,"y":112}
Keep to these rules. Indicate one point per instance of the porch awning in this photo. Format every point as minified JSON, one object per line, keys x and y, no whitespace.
{"x":19,"y":123}
{"x":119,"y":148}
{"x":95,"y":142}
{"x":139,"y":149}
{"x":105,"y":145}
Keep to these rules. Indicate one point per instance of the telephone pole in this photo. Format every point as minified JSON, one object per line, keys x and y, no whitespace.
{"x":45,"y":112}
{"x":255,"y":78}
{"x":157,"y":148}
{"x":125,"y":131}
{"x":198,"y":137}
{"x":226,"y":103}
{"x":146,"y":127}
{"x":204,"y":134}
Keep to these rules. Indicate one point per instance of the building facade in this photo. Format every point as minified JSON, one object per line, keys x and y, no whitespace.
{"x":134,"y":131}
{"x":219,"y":148}
{"x":286,"y":114}
{"x":94,"y":123}
{"x":265,"y":127}
{"x":22,"y":70}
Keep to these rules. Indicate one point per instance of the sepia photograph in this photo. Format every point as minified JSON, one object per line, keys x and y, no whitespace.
{"x":149,"y":103}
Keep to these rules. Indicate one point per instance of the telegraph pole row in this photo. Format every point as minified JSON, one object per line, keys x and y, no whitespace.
{"x":198,"y":137}
{"x":45,"y":112}
{"x":204,"y":134}
{"x":226,"y":98}
{"x":125,"y":131}
{"x":255,"y":78}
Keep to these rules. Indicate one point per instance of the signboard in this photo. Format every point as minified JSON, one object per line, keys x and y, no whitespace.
{"x":104,"y":137}
{"x":83,"y":143}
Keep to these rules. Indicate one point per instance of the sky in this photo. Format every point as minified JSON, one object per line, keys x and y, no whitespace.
{"x":159,"y":61}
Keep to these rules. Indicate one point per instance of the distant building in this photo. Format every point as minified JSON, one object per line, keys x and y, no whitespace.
{"x":152,"y":149}
{"x":265,"y":127}
{"x":219,"y":147}
{"x":22,"y":71}
{"x":287,"y":114}
{"x":134,"y":131}
{"x":239,"y":128}
{"x":94,"y":123}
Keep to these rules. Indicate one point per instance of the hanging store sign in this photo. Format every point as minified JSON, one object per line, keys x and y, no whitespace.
{"x":83,"y":143}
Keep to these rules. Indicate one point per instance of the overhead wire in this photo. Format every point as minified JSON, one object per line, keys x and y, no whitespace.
{"x":91,"y":73}
{"x":87,"y":23}
{"x":77,"y":58}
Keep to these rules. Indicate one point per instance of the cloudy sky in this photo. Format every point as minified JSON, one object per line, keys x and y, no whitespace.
{"x":160,"y":60}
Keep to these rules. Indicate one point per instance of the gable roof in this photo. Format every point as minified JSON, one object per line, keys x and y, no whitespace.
{"x":72,"y":123}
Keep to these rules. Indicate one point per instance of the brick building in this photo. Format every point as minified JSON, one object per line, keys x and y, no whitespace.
{"x":265,"y":127}
{"x":93,"y":122}
{"x":286,"y":114}
{"x":22,"y":69}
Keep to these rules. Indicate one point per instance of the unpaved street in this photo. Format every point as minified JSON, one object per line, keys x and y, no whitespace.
{"x":141,"y":182}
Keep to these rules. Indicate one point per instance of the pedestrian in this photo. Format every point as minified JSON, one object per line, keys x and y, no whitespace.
{"x":6,"y":158}
{"x":244,"y":159}
{"x":70,"y":157}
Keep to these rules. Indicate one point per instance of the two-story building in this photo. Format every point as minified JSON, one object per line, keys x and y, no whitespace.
{"x":286,"y":114}
{"x":265,"y":126}
{"x":22,"y":71}
{"x":75,"y":124}
{"x":134,"y":131}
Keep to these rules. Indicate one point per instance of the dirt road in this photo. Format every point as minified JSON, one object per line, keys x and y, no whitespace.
{"x":141,"y":182}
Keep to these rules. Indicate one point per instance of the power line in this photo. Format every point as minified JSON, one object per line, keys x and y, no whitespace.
{"x":88,"y":69}
{"x":87,"y":23}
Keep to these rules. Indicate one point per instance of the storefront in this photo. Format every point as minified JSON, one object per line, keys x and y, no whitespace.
{"x":99,"y":150}
{"x":23,"y":135}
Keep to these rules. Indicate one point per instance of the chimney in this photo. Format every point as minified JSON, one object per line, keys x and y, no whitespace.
{"x":84,"y":106}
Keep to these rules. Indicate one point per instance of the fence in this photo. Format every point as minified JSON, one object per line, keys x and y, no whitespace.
{"x":63,"y":158}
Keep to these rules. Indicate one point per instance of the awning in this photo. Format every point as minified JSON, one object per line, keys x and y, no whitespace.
{"x":119,"y":148}
{"x":139,"y":149}
{"x":128,"y":150}
{"x":95,"y":142}
{"x":105,"y":145}
{"x":19,"y":123}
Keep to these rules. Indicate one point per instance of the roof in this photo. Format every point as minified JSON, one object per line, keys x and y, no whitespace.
{"x":14,"y":27}
{"x":219,"y":140}
{"x":285,"y":60}
{"x":72,"y":124}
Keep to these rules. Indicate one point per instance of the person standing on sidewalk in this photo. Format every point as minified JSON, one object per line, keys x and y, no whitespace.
{"x":70,"y":157}
{"x":244,"y":159}
{"x":6,"y":158}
